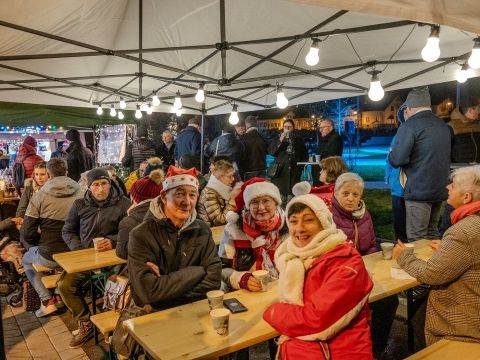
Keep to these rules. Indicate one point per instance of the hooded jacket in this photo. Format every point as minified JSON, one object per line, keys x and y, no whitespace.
{"x":187,"y":259}
{"x":188,"y":142}
{"x":256,"y":151}
{"x":134,"y":217}
{"x":466,"y":138}
{"x":30,"y":187}
{"x":48,"y":209}
{"x":89,"y":218}
{"x":79,"y":159}
{"x":227,"y":145}
{"x":138,"y":151}
{"x":28,"y":155}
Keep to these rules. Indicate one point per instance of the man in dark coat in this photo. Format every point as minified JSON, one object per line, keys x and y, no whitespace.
{"x":139,"y":150}
{"x":331,"y":144}
{"x":166,"y":149}
{"x":189,"y":141}
{"x":79,"y":158}
{"x":172,"y":258}
{"x":227,"y":145}
{"x":256,"y":150}
{"x":422,"y":150}
{"x":97,"y":215}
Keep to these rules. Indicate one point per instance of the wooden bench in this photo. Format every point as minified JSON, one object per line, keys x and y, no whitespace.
{"x":105,"y":322}
{"x":217,"y":233}
{"x":448,"y":349}
{"x":41,"y":268}
{"x":50,"y":281}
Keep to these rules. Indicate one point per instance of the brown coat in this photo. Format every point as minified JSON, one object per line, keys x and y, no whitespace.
{"x":212,"y":208}
{"x":453,"y":309}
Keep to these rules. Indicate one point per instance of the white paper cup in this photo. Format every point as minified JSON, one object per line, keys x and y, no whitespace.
{"x":317,"y":158}
{"x":220,"y":320}
{"x":215,"y":299}
{"x":263,"y":276}
{"x":410,"y":246}
{"x":387,"y":250}
{"x":96,"y":241}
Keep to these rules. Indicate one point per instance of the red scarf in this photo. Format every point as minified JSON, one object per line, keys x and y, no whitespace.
{"x":464,"y":211}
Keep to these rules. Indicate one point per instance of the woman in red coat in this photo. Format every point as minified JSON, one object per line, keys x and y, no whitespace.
{"x":27,"y":152}
{"x":324,"y":289}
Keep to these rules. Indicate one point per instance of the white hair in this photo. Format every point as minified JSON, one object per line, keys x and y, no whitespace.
{"x":347,"y":178}
{"x":468,"y":180}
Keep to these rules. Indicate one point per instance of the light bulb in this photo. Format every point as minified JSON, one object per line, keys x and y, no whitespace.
{"x":99,"y":110}
{"x":200,"y":96}
{"x":462,"y":74}
{"x":149,"y":110}
{"x":474,"y":59}
{"x":178,"y":112}
{"x":376,"y":92}
{"x":282,"y":101}
{"x":123,"y":104}
{"x":233,"y":119}
{"x":138,"y":113}
{"x":312,"y":57}
{"x":155,"y":100}
{"x":431,"y":50}
{"x":144,"y":107}
{"x":113,"y":112}
{"x":177,"y":104}
{"x":120,"y":115}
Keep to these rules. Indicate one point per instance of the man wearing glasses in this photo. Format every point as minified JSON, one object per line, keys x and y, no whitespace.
{"x":331,"y":143}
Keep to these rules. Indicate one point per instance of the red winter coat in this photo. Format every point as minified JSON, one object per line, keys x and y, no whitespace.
{"x":359,"y":231}
{"x":324,"y":192}
{"x":28,"y":154}
{"x":336,"y":283}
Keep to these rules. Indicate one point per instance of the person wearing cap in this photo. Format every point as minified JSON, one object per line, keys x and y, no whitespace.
{"x":141,"y":193}
{"x":324,"y":287}
{"x":139,"y":150}
{"x":422,"y":150}
{"x":97,"y":215}
{"x":79,"y":158}
{"x":256,"y":150}
{"x":172,"y":257}
{"x":27,"y":154}
{"x":189,"y":141}
{"x":252,"y":234}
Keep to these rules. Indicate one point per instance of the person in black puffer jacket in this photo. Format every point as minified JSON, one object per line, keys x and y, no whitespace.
{"x":139,"y":150}
{"x":227,"y":145}
{"x":79,"y":158}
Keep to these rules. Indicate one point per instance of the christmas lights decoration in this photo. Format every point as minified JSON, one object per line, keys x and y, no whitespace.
{"x":111,"y":144}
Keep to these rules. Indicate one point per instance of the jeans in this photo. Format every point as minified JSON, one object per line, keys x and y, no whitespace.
{"x":32,"y":256}
{"x":422,"y":219}
{"x":71,"y":289}
{"x":399,"y":218}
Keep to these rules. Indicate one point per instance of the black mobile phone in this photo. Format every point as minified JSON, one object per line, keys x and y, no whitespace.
{"x":234,"y":305}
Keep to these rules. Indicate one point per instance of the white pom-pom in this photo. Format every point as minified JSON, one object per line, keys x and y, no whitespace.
{"x":231,"y":217}
{"x":301,"y":188}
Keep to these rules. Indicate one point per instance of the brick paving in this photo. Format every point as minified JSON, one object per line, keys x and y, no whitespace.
{"x":27,"y":337}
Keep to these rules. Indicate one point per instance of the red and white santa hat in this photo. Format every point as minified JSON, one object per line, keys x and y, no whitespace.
{"x":178,"y":177}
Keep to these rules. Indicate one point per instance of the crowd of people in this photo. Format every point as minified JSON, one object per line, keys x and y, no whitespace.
{"x":309,"y":238}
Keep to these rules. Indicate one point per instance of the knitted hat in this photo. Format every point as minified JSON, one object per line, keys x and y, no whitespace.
{"x":178,"y":177}
{"x":72,"y":135}
{"x":148,"y":187}
{"x":418,"y":97}
{"x":97,"y":174}
{"x":317,"y":206}
{"x":400,"y":115}
{"x":29,"y":140}
{"x":253,"y":188}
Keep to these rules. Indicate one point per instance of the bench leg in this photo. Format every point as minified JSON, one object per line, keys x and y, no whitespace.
{"x":410,"y":313}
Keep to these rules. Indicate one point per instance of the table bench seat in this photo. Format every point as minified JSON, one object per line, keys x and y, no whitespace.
{"x":105,"y":321}
{"x":41,"y":268}
{"x":50,"y":281}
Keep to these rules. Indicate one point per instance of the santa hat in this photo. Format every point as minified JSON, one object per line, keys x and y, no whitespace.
{"x":178,"y":177}
{"x":148,"y":187}
{"x":317,"y":206}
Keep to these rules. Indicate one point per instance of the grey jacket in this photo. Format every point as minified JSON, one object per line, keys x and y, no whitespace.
{"x":187,"y":258}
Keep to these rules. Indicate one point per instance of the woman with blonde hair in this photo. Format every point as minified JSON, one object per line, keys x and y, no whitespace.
{"x":32,"y":185}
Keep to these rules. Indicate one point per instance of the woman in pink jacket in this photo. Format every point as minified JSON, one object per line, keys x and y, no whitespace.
{"x":324,"y":289}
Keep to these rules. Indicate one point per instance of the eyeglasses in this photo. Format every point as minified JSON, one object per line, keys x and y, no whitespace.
{"x":267,"y":203}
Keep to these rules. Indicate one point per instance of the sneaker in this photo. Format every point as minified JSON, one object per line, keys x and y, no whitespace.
{"x":58,"y":301}
{"x":46,"y":308}
{"x":84,"y":334}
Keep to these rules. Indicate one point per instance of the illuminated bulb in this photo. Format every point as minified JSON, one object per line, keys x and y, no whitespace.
{"x":431,"y":51}
{"x":149,"y":110}
{"x":233,"y":119}
{"x":376,"y":92}
{"x":178,"y":112}
{"x":474,"y":59}
{"x":120,"y":115}
{"x":138,"y":113}
{"x":144,"y":107}
{"x":113,"y":112}
{"x":155,"y":100}
{"x":99,"y":110}
{"x":122,"y":104}
{"x":177,"y":104}
{"x":312,"y":57}
{"x":282,"y":101}
{"x":200,"y":96}
{"x":463,"y":73}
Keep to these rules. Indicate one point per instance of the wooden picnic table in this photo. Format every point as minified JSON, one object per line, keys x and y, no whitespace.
{"x":217,"y":233}
{"x":186,"y":332}
{"x":86,"y":259}
{"x":448,"y":349}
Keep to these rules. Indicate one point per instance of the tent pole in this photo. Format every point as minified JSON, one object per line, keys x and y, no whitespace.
{"x":140,"y":46}
{"x":223,"y":41}
{"x":202,"y":138}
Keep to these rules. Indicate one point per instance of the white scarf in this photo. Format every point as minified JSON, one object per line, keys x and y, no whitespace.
{"x":293,"y":261}
{"x":223,"y":190}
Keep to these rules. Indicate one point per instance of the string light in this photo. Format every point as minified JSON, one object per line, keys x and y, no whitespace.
{"x":99,"y":110}
{"x":111,"y":140}
{"x":155,"y":100}
{"x":463,"y":73}
{"x":177,"y":104}
{"x":376,"y":92}
{"x":200,"y":96}
{"x":431,"y":51}
{"x":312,"y":57}
{"x":233,"y":119}
{"x":474,"y":59}
{"x":282,"y":101}
{"x":138,"y":113}
{"x":113,"y":112}
{"x":149,"y":109}
{"x":122,"y":104}
{"x":120,"y":115}
{"x":178,"y":112}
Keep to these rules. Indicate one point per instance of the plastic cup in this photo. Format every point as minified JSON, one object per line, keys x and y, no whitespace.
{"x":410,"y":246}
{"x":263,"y":276}
{"x":317,"y":158}
{"x":215,"y":299}
{"x":387,"y":250}
{"x":96,"y":241}
{"x":220,"y":320}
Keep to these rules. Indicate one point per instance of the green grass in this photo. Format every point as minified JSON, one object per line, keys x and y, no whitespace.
{"x":370,"y":172}
{"x":379,"y":205}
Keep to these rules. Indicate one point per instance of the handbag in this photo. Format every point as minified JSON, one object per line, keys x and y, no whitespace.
{"x":122,"y":342}
{"x":274,"y":170}
{"x":31,"y":301}
{"x":117,"y":292}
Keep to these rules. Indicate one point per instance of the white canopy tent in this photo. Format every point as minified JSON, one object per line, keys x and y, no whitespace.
{"x":89,"y":52}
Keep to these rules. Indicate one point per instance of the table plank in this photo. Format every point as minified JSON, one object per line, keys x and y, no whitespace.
{"x":217,"y":233}
{"x":86,"y":259}
{"x":448,"y":349}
